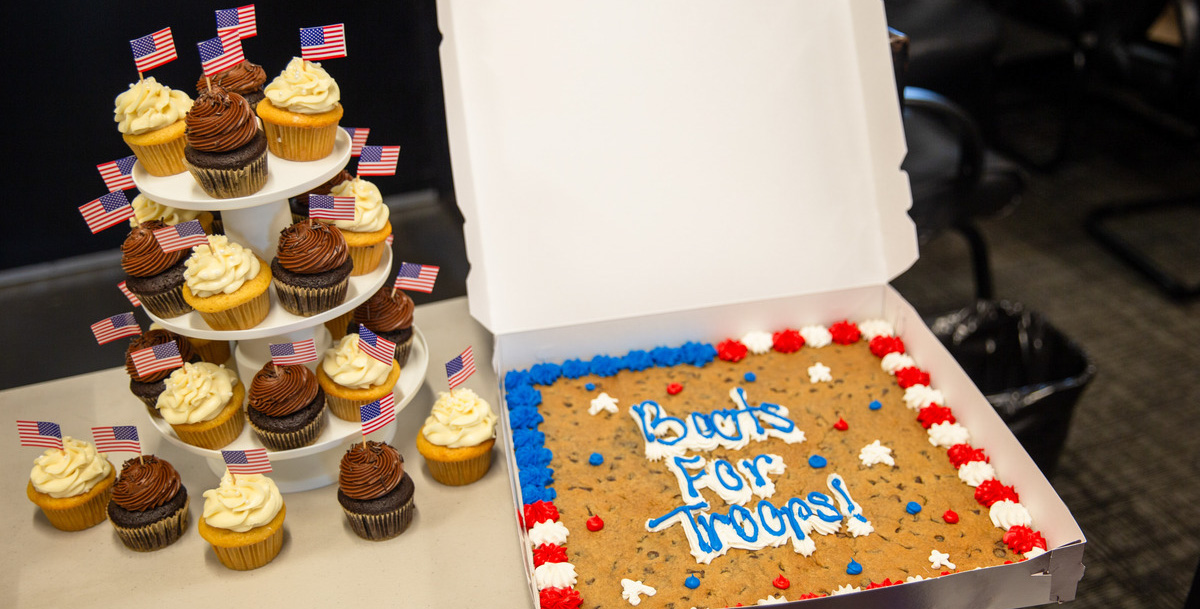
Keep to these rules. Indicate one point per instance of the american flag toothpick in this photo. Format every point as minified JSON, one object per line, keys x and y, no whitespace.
{"x":419,"y":277}
{"x":133,"y":299}
{"x":358,"y":139}
{"x":117,"y":326}
{"x":218,"y":55}
{"x":118,"y":174}
{"x":288,"y":354}
{"x":153,"y":50}
{"x":250,"y":461}
{"x":323,"y":42}
{"x":459,"y":368}
{"x":156,"y":359}
{"x":329,"y":207}
{"x":240,"y":21}
{"x":378,"y":347}
{"x":40,"y":433}
{"x":108,"y":210}
{"x":377,"y":414}
{"x":181,"y":236}
{"x":117,"y":438}
{"x":378,"y":160}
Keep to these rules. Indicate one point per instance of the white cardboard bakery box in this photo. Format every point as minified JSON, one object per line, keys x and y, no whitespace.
{"x":636,"y":173}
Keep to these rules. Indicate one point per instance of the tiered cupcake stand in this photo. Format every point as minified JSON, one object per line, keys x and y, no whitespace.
{"x":255,"y":221}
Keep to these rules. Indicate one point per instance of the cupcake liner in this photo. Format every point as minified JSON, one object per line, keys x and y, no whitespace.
{"x":156,"y":535}
{"x":167,"y":304}
{"x":403,"y":349}
{"x":229,"y":183}
{"x":300,"y":143}
{"x":379,"y":527}
{"x":79,"y":516}
{"x":283,"y":441}
{"x":164,"y":159}
{"x":253,"y":556}
{"x":216,"y":437}
{"x":212,"y":351}
{"x":458,"y":473}
{"x":152,"y":408}
{"x":244,"y":316}
{"x":345,"y":408}
{"x":337,"y":326}
{"x":366,"y":258}
{"x":306,"y":302}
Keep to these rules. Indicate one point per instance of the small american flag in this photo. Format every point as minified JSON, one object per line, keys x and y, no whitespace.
{"x":459,"y":368}
{"x":181,"y":236}
{"x":329,"y":207}
{"x":40,"y":433}
{"x":153,"y":50}
{"x":378,"y":160}
{"x":376,"y":346}
{"x":300,"y":352}
{"x":252,"y":461}
{"x":217,"y":55}
{"x":377,"y":414}
{"x":419,"y":277}
{"x":118,"y":174}
{"x":240,"y":21}
{"x":130,"y":295}
{"x":110,"y":209}
{"x":116,"y":438}
{"x":390,"y":240}
{"x":323,"y":42}
{"x":358,"y":138}
{"x":157,"y":358}
{"x":111,"y":328}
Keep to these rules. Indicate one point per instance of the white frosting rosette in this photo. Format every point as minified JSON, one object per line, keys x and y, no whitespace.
{"x":370,"y":214}
{"x":145,"y":210}
{"x":242,"y":502}
{"x":149,"y":105}
{"x":220,"y":267}
{"x":460,"y":419}
{"x":196,"y":392}
{"x":303,"y":87}
{"x":349,"y":366}
{"x":69,"y":472}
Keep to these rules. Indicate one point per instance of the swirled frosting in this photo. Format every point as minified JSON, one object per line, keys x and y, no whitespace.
{"x":150,"y":338}
{"x":148,"y":105}
{"x":460,"y":418}
{"x":196,"y":392}
{"x":243,"y":78}
{"x":242,"y":503}
{"x":142,"y":256}
{"x":221,"y":267}
{"x":311,"y":247}
{"x":278,"y":391}
{"x":69,"y":472}
{"x":350,"y":366}
{"x":383,"y":313}
{"x":370,"y":471}
{"x":303,"y":87}
{"x":145,"y":483}
{"x":145,"y":210}
{"x":220,"y":121}
{"x":370,"y":214}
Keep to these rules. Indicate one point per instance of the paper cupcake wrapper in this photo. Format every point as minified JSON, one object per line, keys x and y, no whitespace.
{"x":83,"y":516}
{"x":366,"y":258}
{"x":300,"y":143}
{"x":229,"y":183}
{"x":283,"y":441}
{"x":244,"y":316}
{"x":156,"y":535}
{"x":152,"y":408}
{"x":164,"y":159}
{"x":213,"y":351}
{"x":345,"y":409}
{"x":402,"y":351}
{"x":217,"y":437}
{"x":307,"y":302}
{"x":337,"y":325}
{"x":378,"y":527}
{"x":167,"y":304}
{"x":458,"y":473}
{"x":252,"y":556}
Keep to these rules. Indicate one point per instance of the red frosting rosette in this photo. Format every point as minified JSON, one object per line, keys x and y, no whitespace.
{"x":991,"y":491}
{"x":934,"y":414}
{"x":539,"y":511}
{"x":907,"y":377}
{"x":560,"y":598}
{"x":731,"y":350}
{"x":787,"y":341}
{"x":549,"y":552}
{"x":961,"y":454}
{"x":882,"y":345}
{"x":845,"y":332}
{"x":1022,"y":539}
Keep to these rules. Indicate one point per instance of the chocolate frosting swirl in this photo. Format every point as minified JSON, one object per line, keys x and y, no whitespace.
{"x":383,"y":313}
{"x":311,"y":247}
{"x":142,"y":256}
{"x":243,"y":78}
{"x":370,"y":471}
{"x":220,"y":121}
{"x":145,"y":483}
{"x":149,"y":338}
{"x":280,"y":391}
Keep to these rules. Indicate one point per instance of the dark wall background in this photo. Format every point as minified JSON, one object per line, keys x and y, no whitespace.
{"x":67,"y":61}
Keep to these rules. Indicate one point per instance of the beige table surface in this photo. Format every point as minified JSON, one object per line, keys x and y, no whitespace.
{"x":460,"y":551}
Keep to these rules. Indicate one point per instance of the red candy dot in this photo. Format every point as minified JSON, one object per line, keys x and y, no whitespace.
{"x":674,"y":388}
{"x":595,"y":524}
{"x":781,"y":582}
{"x":950,"y":517}
{"x":841,"y":425}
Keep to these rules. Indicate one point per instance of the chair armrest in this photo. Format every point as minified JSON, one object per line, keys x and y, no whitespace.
{"x":969,"y":139}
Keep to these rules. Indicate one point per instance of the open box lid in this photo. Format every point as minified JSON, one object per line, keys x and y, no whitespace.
{"x":620,"y":157}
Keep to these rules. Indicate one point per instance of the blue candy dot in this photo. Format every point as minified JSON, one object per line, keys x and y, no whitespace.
{"x":692,"y":582}
{"x":853,"y":568}
{"x":913,"y":508}
{"x":817,"y":461}
{"x":875,"y":405}
{"x":750,"y":378}
{"x":596,"y":459}
{"x":590,"y":386}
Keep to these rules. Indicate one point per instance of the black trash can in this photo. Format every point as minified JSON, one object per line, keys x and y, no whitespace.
{"x":1030,"y":372}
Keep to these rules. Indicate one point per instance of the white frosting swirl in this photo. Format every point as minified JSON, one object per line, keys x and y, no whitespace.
{"x":303,"y":87}
{"x":816,"y":336}
{"x":458,"y":419}
{"x":148,"y":105}
{"x":370,"y":214}
{"x":72,"y":471}
{"x":875,"y":453}
{"x":895,"y":361}
{"x":975,"y":472}
{"x":145,"y":210}
{"x":220,"y":267}
{"x":914,"y":578}
{"x":859,"y":526}
{"x":196,"y":392}
{"x":349,"y":366}
{"x":846,"y":589}
{"x":917,"y":397}
{"x":948,"y":434}
{"x":875,"y":327}
{"x":550,"y":532}
{"x":758,"y":342}
{"x":554,"y":575}
{"x":1007,"y":513}
{"x":822,"y":527}
{"x":242,"y":502}
{"x":772,"y":600}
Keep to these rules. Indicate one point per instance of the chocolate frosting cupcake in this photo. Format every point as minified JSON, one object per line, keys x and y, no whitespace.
{"x":370,"y":471}
{"x":311,"y":269}
{"x":149,"y":505}
{"x":388,"y":316}
{"x":150,"y":338}
{"x":145,"y":483}
{"x":141,"y":254}
{"x":245,"y":79}
{"x":220,"y":121}
{"x":299,"y":203}
{"x":226,"y":151}
{"x":286,"y":406}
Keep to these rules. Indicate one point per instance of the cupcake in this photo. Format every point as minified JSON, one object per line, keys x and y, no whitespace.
{"x":227,"y":284}
{"x":375,"y":492}
{"x":215,"y":351}
{"x":367,"y":233}
{"x":150,"y":119}
{"x":388,"y":316}
{"x":72,"y":485}
{"x":351,"y":378}
{"x":301,"y":112}
{"x":147,"y":388}
{"x":154,"y":276}
{"x":145,"y":210}
{"x":287,"y":406}
{"x":311,"y":269}
{"x":457,"y":438}
{"x":299,"y":203}
{"x":245,"y":79}
{"x":243,"y":520}
{"x":226,"y":152}
{"x":149,"y":506}
{"x":203,"y":404}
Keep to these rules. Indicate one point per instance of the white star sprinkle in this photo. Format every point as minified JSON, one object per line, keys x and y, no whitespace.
{"x":603,"y":402}
{"x":938,"y":559}
{"x":819,"y":372}
{"x":630,"y":591}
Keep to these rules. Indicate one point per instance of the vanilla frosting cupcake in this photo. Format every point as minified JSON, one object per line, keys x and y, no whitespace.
{"x":150,"y":118}
{"x":146,"y":210}
{"x":227,"y":284}
{"x":301,"y":112}
{"x":351,"y":378}
{"x":243,"y":520}
{"x":367,"y":233}
{"x":457,"y":438}
{"x":203,"y":404}
{"x":72,"y":486}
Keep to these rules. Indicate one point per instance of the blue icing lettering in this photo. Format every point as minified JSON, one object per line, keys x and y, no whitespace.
{"x":574,"y":368}
{"x":680,"y":462}
{"x":545,"y":373}
{"x":728,"y":415}
{"x":740,"y":516}
{"x":727,"y":476}
{"x":825,"y":509}
{"x":752,"y":466}
{"x":766,"y":513}
{"x":839,"y":486}
{"x":603,"y":365}
{"x":515,"y":378}
{"x":683,"y":515}
{"x":703,"y":424}
{"x":770,"y":412}
{"x":651,"y":417}
{"x":708,"y":523}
